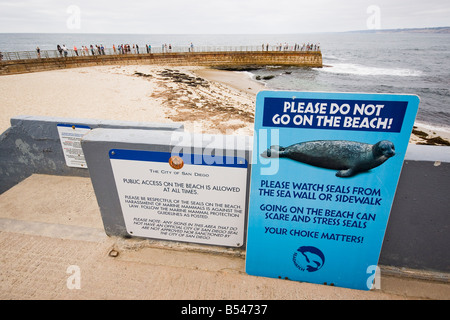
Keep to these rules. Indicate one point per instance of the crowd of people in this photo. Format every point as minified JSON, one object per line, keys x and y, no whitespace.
{"x":100,"y":49}
{"x":93,"y":50}
{"x":83,"y":51}
{"x":167,"y":48}
{"x":296,"y":47}
{"x":64,"y":51}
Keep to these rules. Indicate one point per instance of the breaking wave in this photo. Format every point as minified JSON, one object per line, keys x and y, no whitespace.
{"x":355,"y":69}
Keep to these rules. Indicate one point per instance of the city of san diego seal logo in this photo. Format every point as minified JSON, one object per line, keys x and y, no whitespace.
{"x":308,"y":259}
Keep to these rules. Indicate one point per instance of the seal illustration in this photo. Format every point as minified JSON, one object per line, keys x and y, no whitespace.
{"x":348,"y":157}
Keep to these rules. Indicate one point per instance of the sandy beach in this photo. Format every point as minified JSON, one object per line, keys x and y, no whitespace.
{"x":221,"y":102}
{"x":133,"y":93}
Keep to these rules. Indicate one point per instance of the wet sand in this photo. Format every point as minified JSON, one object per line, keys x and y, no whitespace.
{"x":238,"y":80}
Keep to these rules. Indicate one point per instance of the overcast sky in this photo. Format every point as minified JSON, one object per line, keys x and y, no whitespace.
{"x":218,"y":16}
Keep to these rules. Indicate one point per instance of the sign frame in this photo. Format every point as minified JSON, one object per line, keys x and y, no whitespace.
{"x":172,"y":197}
{"x":311,"y":219}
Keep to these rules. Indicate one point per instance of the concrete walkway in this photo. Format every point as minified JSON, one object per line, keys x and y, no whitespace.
{"x":52,"y":246}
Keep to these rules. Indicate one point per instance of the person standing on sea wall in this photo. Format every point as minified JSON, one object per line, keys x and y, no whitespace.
{"x":66,"y":51}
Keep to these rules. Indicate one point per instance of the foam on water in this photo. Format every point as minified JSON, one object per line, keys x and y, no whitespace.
{"x":433,"y":127}
{"x":360,"y":70}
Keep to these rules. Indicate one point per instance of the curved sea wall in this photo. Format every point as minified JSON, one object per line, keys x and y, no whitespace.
{"x":208,"y":59}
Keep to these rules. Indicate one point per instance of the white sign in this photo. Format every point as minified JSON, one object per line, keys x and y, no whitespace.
{"x":70,"y":136}
{"x":165,"y":199}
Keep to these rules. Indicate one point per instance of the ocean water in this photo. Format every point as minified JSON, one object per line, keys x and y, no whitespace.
{"x":410,"y":63}
{"x":379,"y":63}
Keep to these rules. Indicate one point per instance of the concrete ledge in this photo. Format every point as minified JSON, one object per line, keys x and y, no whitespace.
{"x":417,"y":235}
{"x":209,"y":59}
{"x":32,"y":145}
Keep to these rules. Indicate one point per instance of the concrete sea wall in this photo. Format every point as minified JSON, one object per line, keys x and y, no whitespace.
{"x":228,"y":59}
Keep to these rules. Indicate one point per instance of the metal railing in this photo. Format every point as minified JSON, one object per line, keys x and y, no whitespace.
{"x":97,"y":51}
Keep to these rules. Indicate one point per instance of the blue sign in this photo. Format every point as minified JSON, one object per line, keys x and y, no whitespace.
{"x":325,"y":169}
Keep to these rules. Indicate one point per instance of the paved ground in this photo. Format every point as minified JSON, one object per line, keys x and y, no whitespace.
{"x":54,"y":247}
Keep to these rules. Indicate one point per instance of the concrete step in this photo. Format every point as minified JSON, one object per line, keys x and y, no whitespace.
{"x":52,"y":246}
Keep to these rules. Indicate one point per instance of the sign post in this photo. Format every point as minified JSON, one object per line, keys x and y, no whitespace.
{"x":324,"y":174}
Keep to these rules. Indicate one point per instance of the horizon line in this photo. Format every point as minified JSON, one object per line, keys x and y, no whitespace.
{"x":288,"y":33}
